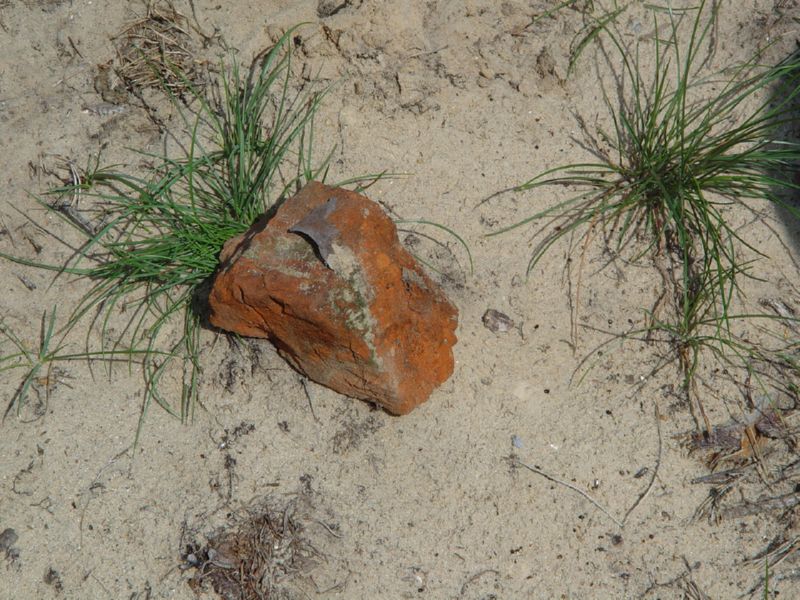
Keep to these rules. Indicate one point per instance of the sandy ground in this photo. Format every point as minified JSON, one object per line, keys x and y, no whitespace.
{"x":467,"y":98}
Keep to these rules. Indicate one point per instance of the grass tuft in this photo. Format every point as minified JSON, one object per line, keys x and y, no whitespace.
{"x":680,"y":155}
{"x":39,"y":363}
{"x":151,"y":243}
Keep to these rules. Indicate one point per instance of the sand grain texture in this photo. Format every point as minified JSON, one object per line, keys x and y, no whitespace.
{"x":467,"y":97}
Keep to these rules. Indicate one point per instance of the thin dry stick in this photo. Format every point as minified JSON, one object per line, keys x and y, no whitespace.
{"x":752,"y":439}
{"x":693,"y":391}
{"x":649,"y":487}
{"x":328,"y":528}
{"x":75,"y":182}
{"x":657,"y":263}
{"x":572,"y":487}
{"x":475,"y":578}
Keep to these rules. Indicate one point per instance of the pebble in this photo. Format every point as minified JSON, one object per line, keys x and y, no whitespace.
{"x":8,"y":538}
{"x":497,"y":322}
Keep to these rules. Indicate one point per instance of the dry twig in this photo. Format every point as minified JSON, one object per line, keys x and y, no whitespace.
{"x":649,"y":487}
{"x":572,"y":487}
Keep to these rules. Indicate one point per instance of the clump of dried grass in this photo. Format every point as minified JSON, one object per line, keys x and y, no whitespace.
{"x":257,"y":557}
{"x":756,"y":451}
{"x":159,"y":50}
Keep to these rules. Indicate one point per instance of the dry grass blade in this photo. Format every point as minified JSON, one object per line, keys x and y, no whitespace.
{"x":710,"y":507}
{"x":778,"y":551}
{"x":784,"y":502}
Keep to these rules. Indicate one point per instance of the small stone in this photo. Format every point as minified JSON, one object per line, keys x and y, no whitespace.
{"x":497,"y":322}
{"x":8,"y":538}
{"x":328,"y":8}
{"x":328,"y":282}
{"x":53,"y":578}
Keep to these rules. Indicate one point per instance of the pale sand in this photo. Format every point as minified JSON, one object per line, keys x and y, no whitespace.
{"x":427,"y":505}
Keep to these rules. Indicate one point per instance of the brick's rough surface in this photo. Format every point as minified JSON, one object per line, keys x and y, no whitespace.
{"x":328,"y":282}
